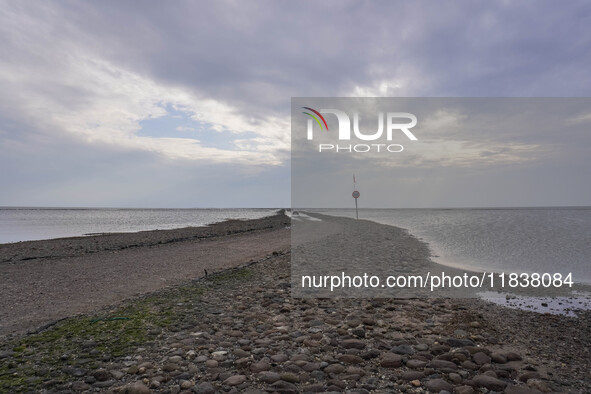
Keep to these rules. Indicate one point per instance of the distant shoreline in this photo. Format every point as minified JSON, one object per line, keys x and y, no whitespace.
{"x":22,"y":224}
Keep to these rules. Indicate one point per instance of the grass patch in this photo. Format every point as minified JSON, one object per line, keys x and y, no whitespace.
{"x":231,"y":276}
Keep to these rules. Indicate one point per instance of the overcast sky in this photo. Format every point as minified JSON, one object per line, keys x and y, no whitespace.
{"x":187,"y":104}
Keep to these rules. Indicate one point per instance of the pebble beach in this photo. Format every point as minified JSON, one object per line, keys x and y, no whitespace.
{"x":239,"y":329}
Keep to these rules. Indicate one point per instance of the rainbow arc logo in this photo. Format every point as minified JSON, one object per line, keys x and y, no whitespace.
{"x":316,"y":118}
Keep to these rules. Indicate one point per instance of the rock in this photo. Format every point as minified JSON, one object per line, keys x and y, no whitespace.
{"x":355,"y":371}
{"x":101,"y":375}
{"x":135,"y":388}
{"x":359,"y":332}
{"x":235,"y":380}
{"x":259,"y":367}
{"x":334,"y":368}
{"x":269,"y":377}
{"x":489,"y":382}
{"x":391,"y":360}
{"x":437,"y":385}
{"x":310,"y":367}
{"x":290,"y":377}
{"x":353,"y":344}
{"x":219,"y":355}
{"x":412,"y":375}
{"x":521,"y":390}
{"x":512,"y":356}
{"x":524,"y":377}
{"x":403,"y":349}
{"x":117,"y":374}
{"x":235,"y":334}
{"x":455,"y":378}
{"x":104,"y":384}
{"x":211,"y":364}
{"x":187,"y":384}
{"x":459,"y":342}
{"x":170,"y":367}
{"x":464,"y":390}
{"x":416,"y":364}
{"x":498,"y":358}
{"x":442,"y":364}
{"x":368,"y":355}
{"x":191,"y":354}
{"x":469,"y":365}
{"x":175,"y":359}
{"x":133,"y":370}
{"x":350,"y":359}
{"x":460,"y":333}
{"x":279,"y":358}
{"x":313,"y":388}
{"x":241,"y":353}
{"x":146,"y":365}
{"x":284,"y":387}
{"x":204,"y":388}
{"x":481,"y":358}
{"x":80,"y":386}
{"x":155,"y":384}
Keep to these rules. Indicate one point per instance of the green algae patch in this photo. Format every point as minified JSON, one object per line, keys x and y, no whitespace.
{"x":43,"y":359}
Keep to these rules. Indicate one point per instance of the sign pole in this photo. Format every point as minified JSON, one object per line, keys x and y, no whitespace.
{"x":355,"y":195}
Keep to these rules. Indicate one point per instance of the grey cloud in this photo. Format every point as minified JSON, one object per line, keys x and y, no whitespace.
{"x":256,"y":55}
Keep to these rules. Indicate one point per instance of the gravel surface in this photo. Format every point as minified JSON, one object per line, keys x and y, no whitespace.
{"x":240,"y":330}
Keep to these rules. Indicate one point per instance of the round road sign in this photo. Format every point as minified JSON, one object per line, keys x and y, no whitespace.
{"x":356,"y":194}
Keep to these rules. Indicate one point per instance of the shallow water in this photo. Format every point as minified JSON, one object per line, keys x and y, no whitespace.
{"x":26,"y":224}
{"x":498,"y":239}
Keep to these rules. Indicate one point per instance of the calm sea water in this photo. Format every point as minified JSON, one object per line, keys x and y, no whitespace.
{"x":510,"y":240}
{"x":24,"y":224}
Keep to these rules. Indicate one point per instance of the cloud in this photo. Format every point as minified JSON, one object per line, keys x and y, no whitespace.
{"x":93,"y":74}
{"x":71,"y":89}
{"x":582,"y":118}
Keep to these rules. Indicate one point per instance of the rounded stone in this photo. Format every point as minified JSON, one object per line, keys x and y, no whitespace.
{"x":489,"y":382}
{"x":269,"y":377}
{"x":135,"y":388}
{"x":235,"y":380}
{"x":204,"y":388}
{"x":259,"y":367}
{"x":437,"y":385}
{"x":334,"y":368}
{"x":481,"y":358}
{"x":391,"y":360}
{"x":211,"y":364}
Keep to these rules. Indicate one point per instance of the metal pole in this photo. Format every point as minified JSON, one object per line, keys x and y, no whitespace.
{"x":356,"y":212}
